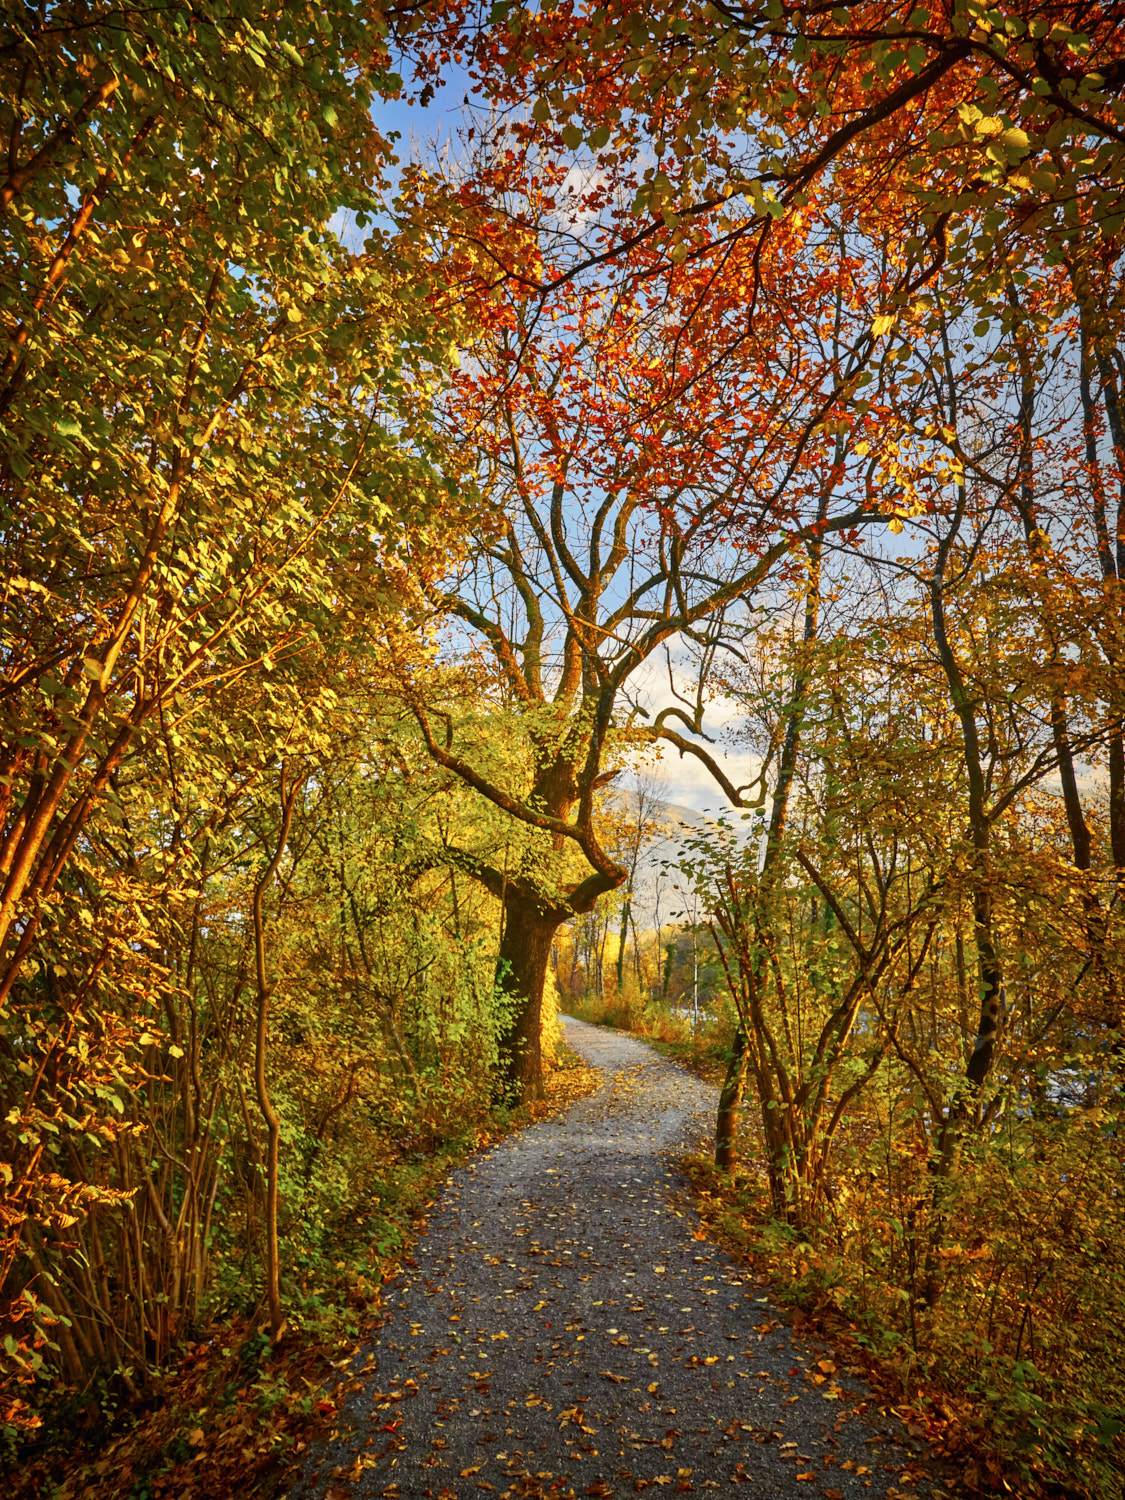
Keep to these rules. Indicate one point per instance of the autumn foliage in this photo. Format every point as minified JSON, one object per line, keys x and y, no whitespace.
{"x":752,"y":371}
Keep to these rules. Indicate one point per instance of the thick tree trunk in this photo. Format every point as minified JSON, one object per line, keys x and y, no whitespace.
{"x":525,"y":952}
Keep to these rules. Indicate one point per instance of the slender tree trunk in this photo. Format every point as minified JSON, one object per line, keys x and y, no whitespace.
{"x":730,"y":1102}
{"x":265,"y":1104}
{"x":1097,"y":363}
{"x":622,"y":945}
{"x":726,"y":1121}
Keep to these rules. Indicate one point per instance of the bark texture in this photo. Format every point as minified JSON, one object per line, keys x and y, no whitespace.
{"x":525,"y":952}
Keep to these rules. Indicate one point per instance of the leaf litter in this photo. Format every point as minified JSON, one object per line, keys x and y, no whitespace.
{"x":597,"y":1334}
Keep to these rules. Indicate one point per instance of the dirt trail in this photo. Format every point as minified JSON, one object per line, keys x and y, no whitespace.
{"x":562,"y":1332}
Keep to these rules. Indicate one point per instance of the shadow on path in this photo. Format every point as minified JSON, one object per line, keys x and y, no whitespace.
{"x":563,"y":1332}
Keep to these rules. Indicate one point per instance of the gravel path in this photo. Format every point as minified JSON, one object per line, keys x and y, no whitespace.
{"x":562,"y":1331}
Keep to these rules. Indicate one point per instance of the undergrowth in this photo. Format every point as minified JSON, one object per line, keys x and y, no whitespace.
{"x":1013,"y":1370}
{"x":233,"y":1411}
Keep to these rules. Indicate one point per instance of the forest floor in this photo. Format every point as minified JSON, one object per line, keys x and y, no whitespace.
{"x":230,"y":1411}
{"x":565,"y":1328}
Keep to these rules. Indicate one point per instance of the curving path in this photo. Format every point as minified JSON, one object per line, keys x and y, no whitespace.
{"x":563,"y":1332}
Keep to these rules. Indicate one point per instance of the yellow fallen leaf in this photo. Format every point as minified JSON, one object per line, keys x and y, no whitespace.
{"x":712,"y":1359}
{"x":500,"y":1335}
{"x":538,"y":1305}
{"x":654,"y":1387}
{"x":465,"y":1473}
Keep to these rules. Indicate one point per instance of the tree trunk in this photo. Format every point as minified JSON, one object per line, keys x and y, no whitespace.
{"x":261,"y":1045}
{"x":621,"y":946}
{"x":525,"y":952}
{"x":730,"y":1101}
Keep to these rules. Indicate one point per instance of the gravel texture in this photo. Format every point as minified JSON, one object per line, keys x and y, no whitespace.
{"x":563,"y":1330}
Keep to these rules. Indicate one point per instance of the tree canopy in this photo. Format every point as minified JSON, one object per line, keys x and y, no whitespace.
{"x":747,"y":378}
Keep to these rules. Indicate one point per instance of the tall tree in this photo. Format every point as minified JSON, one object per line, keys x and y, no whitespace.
{"x":651,"y":469}
{"x":200,"y":384}
{"x":208,"y":420}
